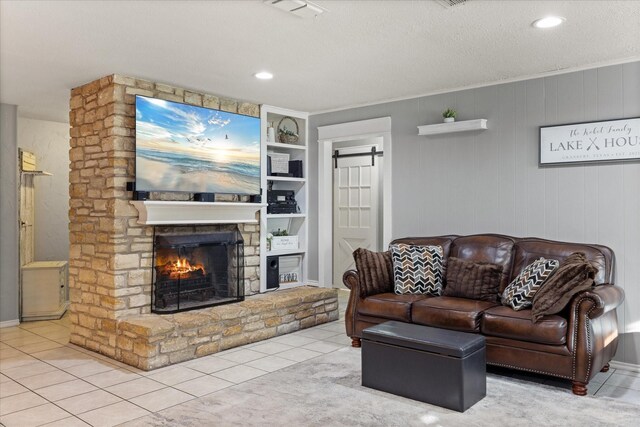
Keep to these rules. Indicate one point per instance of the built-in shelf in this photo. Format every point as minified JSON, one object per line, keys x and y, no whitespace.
{"x":453,"y":127}
{"x":37,"y":173}
{"x":159,"y":212}
{"x":295,"y":215}
{"x":285,"y":252}
{"x":285,"y":179}
{"x":294,"y":223}
{"x":288,"y":285}
{"x":281,"y":145}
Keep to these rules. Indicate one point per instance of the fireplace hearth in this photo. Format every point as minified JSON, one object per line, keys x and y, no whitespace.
{"x":197,"y":270}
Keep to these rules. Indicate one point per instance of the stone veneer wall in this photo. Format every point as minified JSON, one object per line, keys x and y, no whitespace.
{"x":110,"y":255}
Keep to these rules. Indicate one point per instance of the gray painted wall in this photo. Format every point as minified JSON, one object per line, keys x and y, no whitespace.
{"x":490,"y":181}
{"x":49,"y":141}
{"x":9,"y":258}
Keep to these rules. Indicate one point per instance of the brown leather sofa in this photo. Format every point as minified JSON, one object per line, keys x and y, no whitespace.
{"x":574,"y":344}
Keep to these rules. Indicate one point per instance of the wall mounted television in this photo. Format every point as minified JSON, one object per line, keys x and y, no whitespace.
{"x":185,"y":148}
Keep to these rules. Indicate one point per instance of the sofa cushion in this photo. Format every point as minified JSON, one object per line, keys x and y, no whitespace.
{"x":493,"y":248}
{"x":461,"y":314}
{"x":417,"y":269}
{"x":389,"y":306}
{"x":519,"y":294}
{"x":506,"y":323}
{"x":575,"y":274}
{"x":473,"y":280}
{"x":375,"y":270}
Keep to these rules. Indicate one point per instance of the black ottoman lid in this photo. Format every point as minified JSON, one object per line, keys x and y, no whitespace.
{"x":425,"y":338}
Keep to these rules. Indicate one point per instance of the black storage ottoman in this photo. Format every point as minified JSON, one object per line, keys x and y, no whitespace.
{"x":438,"y":366}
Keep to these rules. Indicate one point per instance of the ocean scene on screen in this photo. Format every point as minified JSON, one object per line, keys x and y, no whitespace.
{"x":192,"y":149}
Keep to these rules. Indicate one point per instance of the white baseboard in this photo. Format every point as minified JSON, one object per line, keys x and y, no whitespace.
{"x":312,"y":283}
{"x":631,"y":367}
{"x":9,"y":323}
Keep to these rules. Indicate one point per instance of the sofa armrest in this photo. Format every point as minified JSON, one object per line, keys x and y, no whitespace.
{"x":603,"y":298}
{"x":351,"y":280}
{"x":593,"y":330}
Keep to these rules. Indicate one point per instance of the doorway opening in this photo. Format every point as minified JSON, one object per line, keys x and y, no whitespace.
{"x":354,"y":194}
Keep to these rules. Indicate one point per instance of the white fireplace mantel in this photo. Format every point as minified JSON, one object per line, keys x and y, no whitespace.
{"x":158,"y":212}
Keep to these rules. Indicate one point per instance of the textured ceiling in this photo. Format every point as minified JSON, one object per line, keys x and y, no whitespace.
{"x":359,"y":52}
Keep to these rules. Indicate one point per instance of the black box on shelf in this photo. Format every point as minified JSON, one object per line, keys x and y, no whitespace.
{"x":281,"y":202}
{"x":295,"y":168}
{"x":273,"y":272}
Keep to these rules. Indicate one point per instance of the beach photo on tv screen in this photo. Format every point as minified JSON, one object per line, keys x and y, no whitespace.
{"x":187,"y":148}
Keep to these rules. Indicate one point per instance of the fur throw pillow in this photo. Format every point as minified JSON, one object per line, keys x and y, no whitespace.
{"x":473,"y":280}
{"x":575,"y":274}
{"x":375,"y":270}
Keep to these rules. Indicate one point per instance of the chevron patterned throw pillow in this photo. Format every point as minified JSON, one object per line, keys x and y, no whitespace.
{"x":417,"y":269}
{"x":519,"y":294}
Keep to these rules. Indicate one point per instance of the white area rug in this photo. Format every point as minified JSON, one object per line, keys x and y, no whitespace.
{"x":326,"y":391}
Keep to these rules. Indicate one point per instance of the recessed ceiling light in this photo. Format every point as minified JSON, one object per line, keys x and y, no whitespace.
{"x":264,"y":75}
{"x":548,"y":22}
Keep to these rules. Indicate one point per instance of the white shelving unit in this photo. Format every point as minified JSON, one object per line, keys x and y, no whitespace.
{"x":294,"y":223}
{"x":453,"y":127}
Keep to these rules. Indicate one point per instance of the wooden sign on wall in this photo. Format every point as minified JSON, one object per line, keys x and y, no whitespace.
{"x":602,"y":141}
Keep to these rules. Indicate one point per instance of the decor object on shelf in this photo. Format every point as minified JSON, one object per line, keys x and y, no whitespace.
{"x":463,"y":126}
{"x":449,"y":115}
{"x":271,"y":133}
{"x":588,"y":142}
{"x":286,"y":135}
{"x":290,"y":269}
{"x":281,"y":241}
{"x":284,"y":243}
{"x":574,"y":343}
{"x":279,"y":163}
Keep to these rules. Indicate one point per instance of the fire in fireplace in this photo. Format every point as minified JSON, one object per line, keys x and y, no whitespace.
{"x":197,"y":270}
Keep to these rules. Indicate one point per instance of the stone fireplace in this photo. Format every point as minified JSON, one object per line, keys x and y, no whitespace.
{"x":196,"y":270}
{"x":112,"y":265}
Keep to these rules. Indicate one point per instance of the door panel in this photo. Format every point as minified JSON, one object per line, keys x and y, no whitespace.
{"x":355,"y":209}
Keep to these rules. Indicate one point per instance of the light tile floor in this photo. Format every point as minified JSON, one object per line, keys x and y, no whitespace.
{"x":44,"y":380}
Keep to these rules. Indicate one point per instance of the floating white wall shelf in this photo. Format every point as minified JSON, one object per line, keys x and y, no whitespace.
{"x":463,"y":126}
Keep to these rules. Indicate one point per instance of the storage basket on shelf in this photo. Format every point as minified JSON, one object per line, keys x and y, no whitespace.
{"x":287,"y":136}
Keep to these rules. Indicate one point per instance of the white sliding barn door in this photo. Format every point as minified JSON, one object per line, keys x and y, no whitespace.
{"x":355,"y":208}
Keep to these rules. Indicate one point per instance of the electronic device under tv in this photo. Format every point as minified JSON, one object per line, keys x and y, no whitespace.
{"x":192,"y":149}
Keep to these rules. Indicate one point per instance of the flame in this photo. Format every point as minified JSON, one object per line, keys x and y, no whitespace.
{"x":180,"y":268}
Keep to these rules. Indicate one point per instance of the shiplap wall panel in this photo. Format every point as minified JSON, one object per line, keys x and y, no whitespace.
{"x":551,"y":196}
{"x":570,"y":203}
{"x":631,"y":196}
{"x":505,"y":129}
{"x":490,"y":181}
{"x":486,"y":150}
